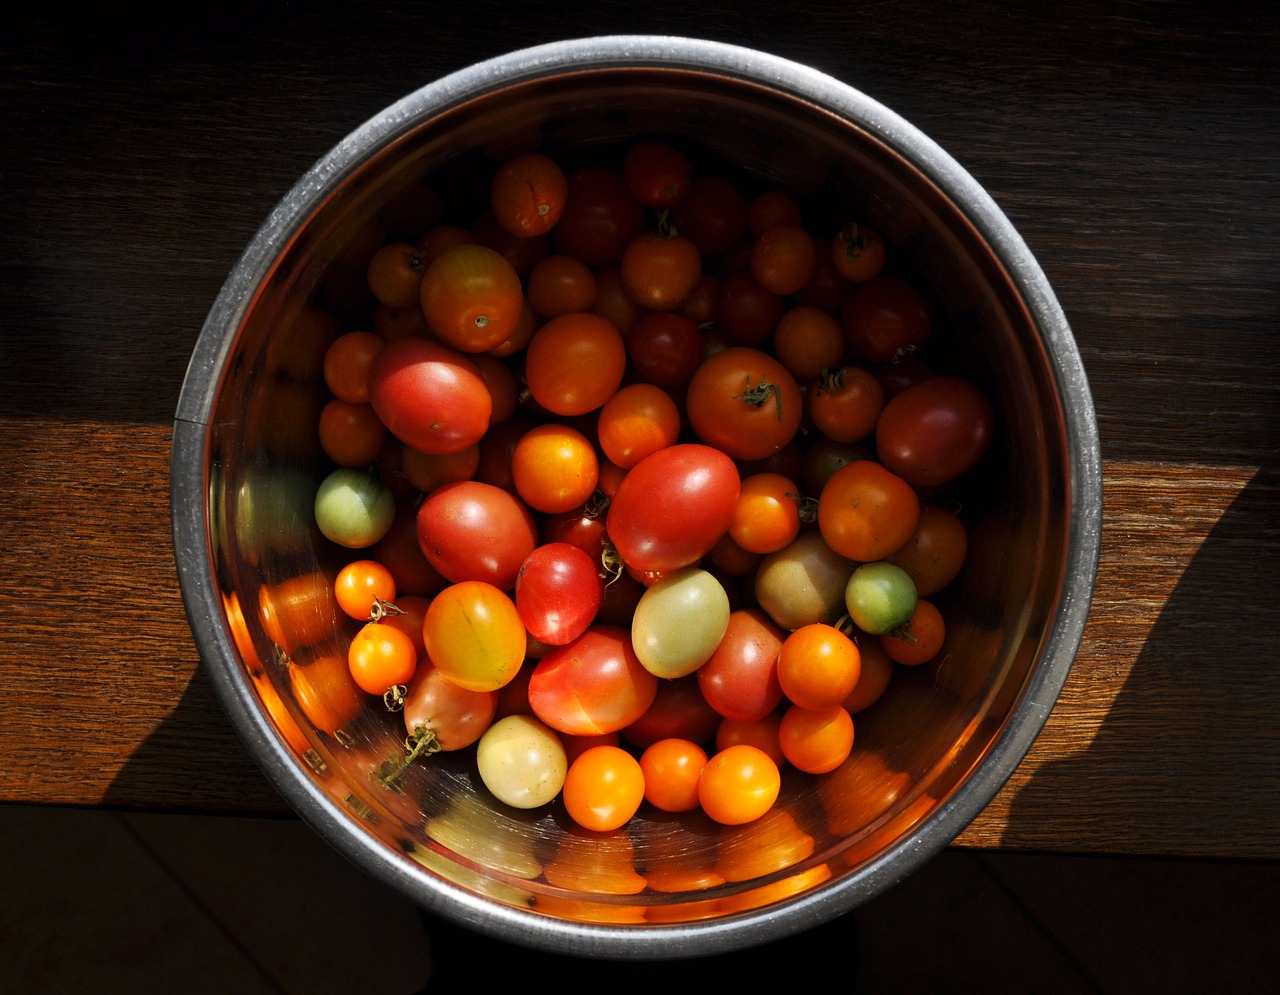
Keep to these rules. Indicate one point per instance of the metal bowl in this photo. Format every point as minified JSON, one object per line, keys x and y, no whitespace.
{"x":930,"y":755}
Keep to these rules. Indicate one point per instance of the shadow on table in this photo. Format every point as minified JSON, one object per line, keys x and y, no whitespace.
{"x":1168,"y":773}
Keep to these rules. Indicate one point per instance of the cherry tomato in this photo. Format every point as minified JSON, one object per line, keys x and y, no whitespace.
{"x":784,"y":259}
{"x":554,"y":468}
{"x":613,"y":303}
{"x":351,"y":434}
{"x":816,"y":740}
{"x":879,"y":597}
{"x":471,"y":530}
{"x":747,"y":313}
{"x":767,"y":517}
{"x":353,"y":508}
{"x":845,"y":404}
{"x":678,"y":711}
{"x":473,"y":633}
{"x":713,"y":214}
{"x":443,"y":713}
{"x":593,"y":685}
{"x":658,"y":175}
{"x":745,"y":403}
{"x":360,"y":584}
{"x":394,"y":274}
{"x":600,"y":217}
{"x":637,"y":421}
{"x":818,"y":666}
{"x":874,"y":677}
{"x":919,"y":638}
{"x":659,"y":271}
{"x":558,"y":592}
{"x":671,"y":770}
{"x":858,"y":252}
{"x":665,"y":348}
{"x":885,"y":319}
{"x":561,"y":285}
{"x":935,"y":430}
{"x":761,"y":733}
{"x":400,"y":553}
{"x":935,"y":553}
{"x":326,"y":693}
{"x":381,"y":657}
{"x":771,"y":208}
{"x":679,"y":621}
{"x":740,"y":680}
{"x":347,"y":363}
{"x":528,"y":193}
{"x":575,"y":363}
{"x":866,"y":513}
{"x":521,"y":761}
{"x":739,"y":785}
{"x":522,"y":252}
{"x":807,"y":341}
{"x":472,"y":297}
{"x":429,"y":396}
{"x":803,"y":583}
{"x":603,"y":788}
{"x":673,"y":506}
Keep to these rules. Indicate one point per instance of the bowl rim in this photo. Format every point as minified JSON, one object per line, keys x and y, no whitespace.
{"x":189,"y":480}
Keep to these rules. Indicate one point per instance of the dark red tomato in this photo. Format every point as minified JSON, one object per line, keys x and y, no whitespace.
{"x":400,"y":553}
{"x":678,"y":712}
{"x":895,"y":377}
{"x":885,"y":319}
{"x":935,"y":430}
{"x":746,"y":313}
{"x":471,"y":530}
{"x":600,"y":217}
{"x":429,"y":396}
{"x":740,"y":681}
{"x":665,"y":347}
{"x":496,"y":450}
{"x":673,"y":506}
{"x":713,"y":214}
{"x":558,"y":592}
{"x":594,"y":685}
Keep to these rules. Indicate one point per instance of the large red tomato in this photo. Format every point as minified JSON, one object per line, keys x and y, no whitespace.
{"x":593,"y":685}
{"x":673,"y":506}
{"x":935,"y":430}
{"x":429,"y":396}
{"x":471,"y":530}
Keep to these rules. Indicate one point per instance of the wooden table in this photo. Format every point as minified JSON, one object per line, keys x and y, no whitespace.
{"x":1135,"y":145}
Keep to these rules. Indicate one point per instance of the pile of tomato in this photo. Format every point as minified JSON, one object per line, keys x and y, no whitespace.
{"x":643,"y":476}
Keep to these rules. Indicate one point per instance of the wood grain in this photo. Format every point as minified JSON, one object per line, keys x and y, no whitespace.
{"x":1134,"y":144}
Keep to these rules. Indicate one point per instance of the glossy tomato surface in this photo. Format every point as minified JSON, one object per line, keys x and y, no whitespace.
{"x":429,"y":396}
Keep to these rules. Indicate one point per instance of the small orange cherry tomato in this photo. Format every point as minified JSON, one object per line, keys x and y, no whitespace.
{"x":351,"y":434}
{"x":858,"y":253}
{"x":846,"y":403}
{"x":807,"y":341}
{"x":472,"y":297}
{"x":919,"y":638}
{"x":866,"y":513}
{"x":659,"y":271}
{"x":738,"y":785}
{"x":360,"y":584}
{"x":528,"y":194}
{"x":603,"y":788}
{"x":381,"y":657}
{"x":672,"y":769}
{"x":873,"y":678}
{"x":347,"y":362}
{"x":936,"y":551}
{"x":554,"y":467}
{"x":768,"y":514}
{"x":561,"y":285}
{"x":574,"y":363}
{"x":638,"y":420}
{"x":818,"y":666}
{"x":783,"y":259}
{"x":816,"y":741}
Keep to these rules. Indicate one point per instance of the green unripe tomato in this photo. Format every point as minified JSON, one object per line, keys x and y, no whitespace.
{"x":880,"y":597}
{"x":679,"y":621}
{"x":353,"y":508}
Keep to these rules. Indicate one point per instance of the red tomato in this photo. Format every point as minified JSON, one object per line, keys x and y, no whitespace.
{"x":558,"y":592}
{"x":593,"y":685}
{"x":846,"y":403}
{"x":528,"y":193}
{"x":658,"y":175}
{"x":472,"y":297}
{"x":429,"y":396}
{"x":866,"y":513}
{"x":885,"y":319}
{"x":935,"y":430}
{"x":746,"y":313}
{"x":400,"y":553}
{"x":665,"y":348}
{"x":575,"y":363}
{"x":673,"y":506}
{"x":600,"y":217}
{"x":471,"y":530}
{"x":678,"y":710}
{"x":659,"y":271}
{"x":444,"y":713}
{"x":713,"y":214}
{"x":740,"y":681}
{"x":744,"y":402}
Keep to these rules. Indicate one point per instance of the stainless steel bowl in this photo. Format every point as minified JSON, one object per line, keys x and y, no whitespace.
{"x":929,"y":756}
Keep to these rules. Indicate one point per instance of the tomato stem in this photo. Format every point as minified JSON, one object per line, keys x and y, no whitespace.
{"x":393,"y":697}
{"x":807,"y":506}
{"x":422,"y":743}
{"x":756,"y":396}
{"x":610,"y":562}
{"x":381,"y":609}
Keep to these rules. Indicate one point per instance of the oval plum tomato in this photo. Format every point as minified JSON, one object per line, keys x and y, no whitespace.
{"x":935,"y":430}
{"x":521,"y":761}
{"x":885,"y":319}
{"x":678,"y":711}
{"x":528,"y":193}
{"x":554,"y":468}
{"x":816,"y":740}
{"x":381,"y":657}
{"x":659,"y":270}
{"x":558,"y":592}
{"x":600,"y":217}
{"x":845,"y":404}
{"x":429,"y":396}
{"x":739,"y":785}
{"x":879,"y":597}
{"x":595,"y":684}
{"x":637,"y":421}
{"x":471,"y":530}
{"x":919,"y":638}
{"x":818,"y":666}
{"x":672,"y":768}
{"x":740,"y":681}
{"x":474,"y":634}
{"x":673,"y":506}
{"x":657,"y":174}
{"x":713,"y":214}
{"x":745,"y":403}
{"x":665,"y":348}
{"x":604,"y":788}
{"x":574,"y":363}
{"x":443,"y":715}
{"x":472,"y":297}
{"x":347,"y":363}
{"x":768,"y":514}
{"x":679,"y":622}
{"x":866,"y":513}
